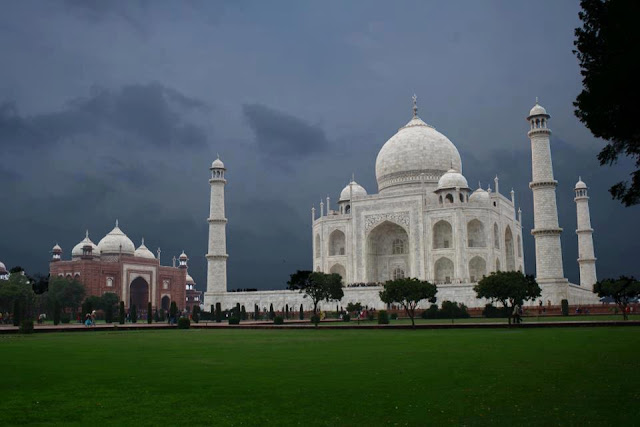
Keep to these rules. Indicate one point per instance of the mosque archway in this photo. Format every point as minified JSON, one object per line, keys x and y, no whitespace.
{"x":477,"y":269}
{"x":496,"y":236}
{"x":337,"y":243}
{"x":444,"y":270}
{"x":475,"y":234}
{"x":339,"y":269}
{"x":165,"y":303}
{"x":383,"y":251}
{"x":508,"y":247}
{"x":442,"y":235}
{"x":139,"y":293}
{"x":318,"y":246}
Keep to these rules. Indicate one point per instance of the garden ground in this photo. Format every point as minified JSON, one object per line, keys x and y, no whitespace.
{"x":568,"y":376}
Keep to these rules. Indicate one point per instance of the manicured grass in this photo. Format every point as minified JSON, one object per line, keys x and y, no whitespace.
{"x":567,"y":376}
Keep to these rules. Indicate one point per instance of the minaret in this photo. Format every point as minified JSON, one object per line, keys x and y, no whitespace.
{"x":217,"y":254}
{"x":546,"y":231}
{"x":586,"y":257}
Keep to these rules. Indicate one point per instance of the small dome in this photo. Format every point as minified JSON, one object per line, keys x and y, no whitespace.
{"x":3,"y":268}
{"x":144,"y":252}
{"x":217,"y":164}
{"x":580,"y":185}
{"x":352,"y":188}
{"x":78,"y":249}
{"x":190,"y":280}
{"x":183,"y":255}
{"x":114,"y":241}
{"x":452,"y":179}
{"x":479,"y":196}
{"x":56,"y":248}
{"x":537,"y":110}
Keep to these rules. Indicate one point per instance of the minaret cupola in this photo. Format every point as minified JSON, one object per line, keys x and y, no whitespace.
{"x":183,"y":260}
{"x":56,"y":253}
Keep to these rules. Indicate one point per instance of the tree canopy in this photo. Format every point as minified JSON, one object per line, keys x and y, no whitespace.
{"x":408,"y":292}
{"x":17,"y":287}
{"x":510,"y":288}
{"x":606,"y":47}
{"x":317,"y":286}
{"x":68,"y":293}
{"x":622,"y":290}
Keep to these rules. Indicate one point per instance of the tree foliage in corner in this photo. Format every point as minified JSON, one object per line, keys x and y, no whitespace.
{"x":408,"y":292}
{"x":510,"y":288}
{"x":317,"y":286}
{"x":622,"y":290}
{"x":606,"y":46}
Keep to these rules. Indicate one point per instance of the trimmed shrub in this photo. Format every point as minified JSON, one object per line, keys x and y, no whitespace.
{"x":271,"y":312}
{"x":243,"y":313}
{"x":134,"y":314}
{"x":234,"y":320}
{"x":301,"y":313}
{"x":173,"y":311}
{"x":371,"y":316}
{"x":315,"y":319}
{"x":278,"y":320}
{"x":394,"y":316}
{"x":256,"y":312}
{"x":491,"y":311}
{"x":565,"y":307}
{"x":149,"y":313}
{"x":195,"y":313}
{"x":183,"y":323}
{"x":17,"y":312}
{"x":56,"y":313}
{"x":121,"y":313}
{"x":156,"y":316}
{"x":346,"y":318}
{"x":383,"y":317}
{"x":26,"y":327}
{"x":431,"y":312}
{"x":87,"y":307}
{"x":65,"y":318}
{"x":218,"y":312}
{"x":453,"y":310}
{"x":108,"y":314}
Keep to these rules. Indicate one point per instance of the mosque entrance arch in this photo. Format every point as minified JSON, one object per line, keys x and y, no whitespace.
{"x":139,"y":293}
{"x":165,"y":302}
{"x":387,"y":250}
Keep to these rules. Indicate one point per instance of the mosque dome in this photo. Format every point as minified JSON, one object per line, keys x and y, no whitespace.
{"x":580,"y":185}
{"x":415,"y":152}
{"x":116,"y":239}
{"x":538,"y":110}
{"x":217,"y":164}
{"x":144,"y":252}
{"x":352,"y":188}
{"x":480,"y":196}
{"x":190,"y":280}
{"x":452,"y":179}
{"x":78,"y":249}
{"x":3,"y":268}
{"x":183,"y":256}
{"x":56,"y":248}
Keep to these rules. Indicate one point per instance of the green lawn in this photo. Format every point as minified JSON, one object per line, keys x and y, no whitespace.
{"x":559,"y":376}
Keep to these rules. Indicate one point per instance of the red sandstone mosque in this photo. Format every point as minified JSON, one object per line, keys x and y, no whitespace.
{"x":135,"y":275}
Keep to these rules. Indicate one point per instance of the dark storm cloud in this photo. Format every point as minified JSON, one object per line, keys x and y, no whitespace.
{"x":281,"y":134}
{"x":148,"y":114}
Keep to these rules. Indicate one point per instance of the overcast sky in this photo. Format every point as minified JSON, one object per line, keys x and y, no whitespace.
{"x":115,"y":110}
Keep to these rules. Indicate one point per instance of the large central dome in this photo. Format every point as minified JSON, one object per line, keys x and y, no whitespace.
{"x":416,"y":152}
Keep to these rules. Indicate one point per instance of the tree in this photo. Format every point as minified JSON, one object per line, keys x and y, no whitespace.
{"x":218,"y":312}
{"x":354,"y":308}
{"x":622,"y":290}
{"x":408,"y":292}
{"x":272,"y":314}
{"x":605,"y":47}
{"x":16,"y":288}
{"x":56,"y":313}
{"x":108,"y":300}
{"x":134,"y":314}
{"x":301,"y":312}
{"x":195,"y":313}
{"x":40,"y":284}
{"x":317,"y":286}
{"x":149,"y":313}
{"x":510,"y":288}
{"x":69,"y":293}
{"x":173,"y":312}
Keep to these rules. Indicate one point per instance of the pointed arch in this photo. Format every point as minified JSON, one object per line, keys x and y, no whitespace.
{"x":477,"y":268}
{"x":318,"y":246}
{"x":497,"y":264}
{"x":339,"y":269}
{"x":444,"y":270}
{"x":519,"y":246}
{"x":383,"y":254}
{"x":475,"y":234}
{"x":508,"y":247}
{"x":496,"y":236}
{"x":442,"y":235}
{"x":337,"y":243}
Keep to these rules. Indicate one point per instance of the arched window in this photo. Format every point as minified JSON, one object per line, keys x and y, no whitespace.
{"x":497,"y":264}
{"x":339,"y":269}
{"x":347,"y":209}
{"x":449,"y":198}
{"x":461,"y":198}
{"x":109,"y":282}
{"x":477,"y":268}
{"x":440,"y":199}
{"x":398,"y":273}
{"x":442,"y":235}
{"x":444,"y":270}
{"x":496,"y":236}
{"x":398,"y":246}
{"x":519,"y":244}
{"x":508,"y":247}
{"x":318,"y":246}
{"x":336,"y":243}
{"x":475,"y":234}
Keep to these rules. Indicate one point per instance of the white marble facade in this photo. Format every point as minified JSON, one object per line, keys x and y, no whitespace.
{"x":426,"y":222}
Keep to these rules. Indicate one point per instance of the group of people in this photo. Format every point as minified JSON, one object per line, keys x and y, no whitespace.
{"x":5,"y":318}
{"x":90,"y":319}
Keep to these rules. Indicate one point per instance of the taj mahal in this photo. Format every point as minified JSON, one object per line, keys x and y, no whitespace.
{"x":426,"y":222}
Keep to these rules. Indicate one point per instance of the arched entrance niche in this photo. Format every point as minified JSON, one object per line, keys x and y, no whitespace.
{"x":337,"y":242}
{"x":477,"y":269}
{"x":139,"y":293}
{"x":497,"y":264}
{"x":475,"y":234}
{"x":381,"y":259}
{"x":444,"y":270}
{"x":508,"y":246}
{"x":442,"y":235}
{"x":339,"y":269}
{"x":165,"y":302}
